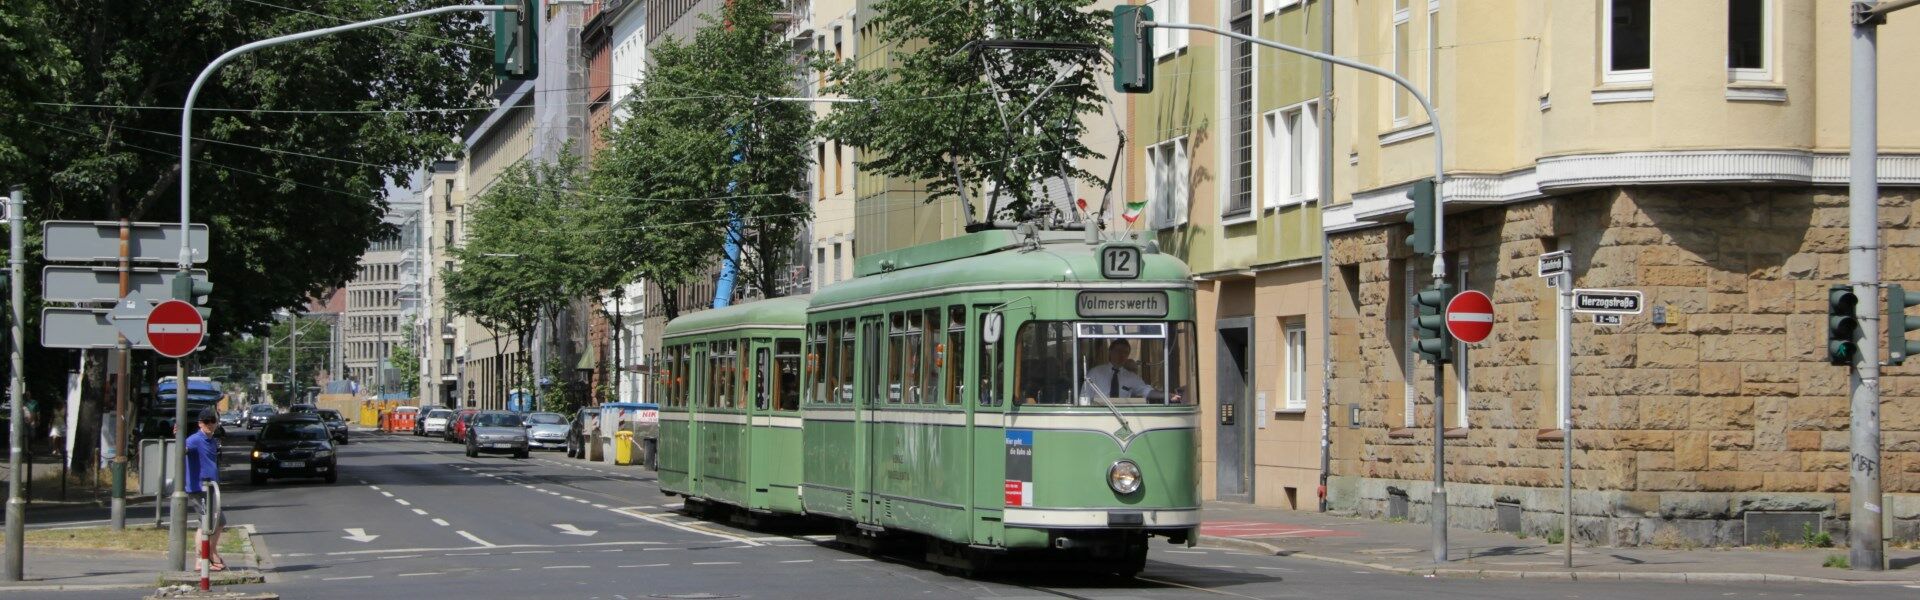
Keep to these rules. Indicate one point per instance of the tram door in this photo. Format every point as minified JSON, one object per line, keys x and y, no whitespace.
{"x":1233,"y":431}
{"x":873,"y":331}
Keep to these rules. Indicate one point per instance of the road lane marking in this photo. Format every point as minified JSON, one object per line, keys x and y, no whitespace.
{"x":469,"y":554}
{"x":397,"y":557}
{"x":347,"y":578}
{"x":403,"y":502}
{"x":372,"y":487}
{"x":639,"y":566}
{"x":493,"y":547}
{"x":358,"y":535}
{"x":440,"y":522}
{"x":854,"y":560}
{"x":703,"y":564}
{"x":419,"y":512}
{"x":687,"y":528}
{"x":569,"y":529}
{"x":387,"y":494}
{"x":572,"y":567}
{"x":599,"y":506}
{"x":533,"y":552}
{"x":475,"y":539}
{"x":420,"y":574}
{"x":803,"y":560}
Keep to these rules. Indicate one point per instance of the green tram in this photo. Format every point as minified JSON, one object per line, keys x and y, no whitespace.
{"x":996,"y":394}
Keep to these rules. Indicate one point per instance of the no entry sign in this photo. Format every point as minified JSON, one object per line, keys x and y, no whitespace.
{"x":1470,"y":316}
{"x":175,"y":328}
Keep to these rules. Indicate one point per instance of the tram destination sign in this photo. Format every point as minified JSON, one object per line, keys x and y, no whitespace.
{"x":1614,"y":302}
{"x":1122,"y":304}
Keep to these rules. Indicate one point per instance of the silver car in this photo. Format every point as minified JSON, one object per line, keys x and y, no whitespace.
{"x":436,"y":422}
{"x":547,"y":430}
{"x":497,"y":432}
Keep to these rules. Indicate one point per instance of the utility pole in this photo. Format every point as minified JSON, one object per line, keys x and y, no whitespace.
{"x":117,"y":513}
{"x":16,"y":388}
{"x":293,"y":359}
{"x":1865,"y":546}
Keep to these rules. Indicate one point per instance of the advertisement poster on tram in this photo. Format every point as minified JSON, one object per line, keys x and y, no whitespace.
{"x":1019,"y":485}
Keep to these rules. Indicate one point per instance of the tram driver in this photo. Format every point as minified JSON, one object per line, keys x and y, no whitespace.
{"x":1117,"y":377}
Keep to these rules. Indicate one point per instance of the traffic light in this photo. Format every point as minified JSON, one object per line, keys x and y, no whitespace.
{"x":516,"y":52}
{"x":1430,"y":326}
{"x":191,"y":289}
{"x":1132,"y":49}
{"x":1841,"y":325}
{"x":1422,"y":216}
{"x":1898,"y":324}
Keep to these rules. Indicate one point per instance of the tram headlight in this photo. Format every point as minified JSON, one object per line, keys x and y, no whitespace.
{"x":1124,"y":477}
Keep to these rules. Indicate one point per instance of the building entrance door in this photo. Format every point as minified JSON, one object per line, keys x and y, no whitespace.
{"x":1233,"y":434}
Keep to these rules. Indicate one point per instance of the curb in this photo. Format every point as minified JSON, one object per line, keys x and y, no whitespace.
{"x":1264,"y":548}
{"x":75,"y":587}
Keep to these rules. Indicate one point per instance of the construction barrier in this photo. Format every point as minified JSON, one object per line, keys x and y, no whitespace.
{"x":399,"y":421}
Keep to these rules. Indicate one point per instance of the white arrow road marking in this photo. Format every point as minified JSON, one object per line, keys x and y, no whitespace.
{"x":569,"y":529}
{"x":475,"y":539}
{"x":359,"y":535}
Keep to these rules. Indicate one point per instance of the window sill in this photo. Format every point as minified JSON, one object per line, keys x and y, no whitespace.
{"x":1614,"y":94}
{"x":1550,"y":435}
{"x":1756,"y":92}
{"x":1291,"y":202}
{"x":1457,"y":433}
{"x":1410,"y":132}
{"x":1403,"y":432}
{"x":1239,"y":218}
{"x":1291,"y":411}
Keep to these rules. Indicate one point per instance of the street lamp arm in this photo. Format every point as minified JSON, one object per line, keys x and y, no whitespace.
{"x":1439,"y":154}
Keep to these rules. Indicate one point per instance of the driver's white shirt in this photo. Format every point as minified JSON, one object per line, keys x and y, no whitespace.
{"x":1131,"y":385}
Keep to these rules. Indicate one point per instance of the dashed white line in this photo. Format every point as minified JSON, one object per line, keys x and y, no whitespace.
{"x":397,"y":557}
{"x":469,"y":554}
{"x":533,"y":552}
{"x":639,"y":566}
{"x":573,"y":566}
{"x":372,"y":487}
{"x":702,"y":564}
{"x":420,"y":574}
{"x":803,"y":560}
{"x":599,"y":506}
{"x":475,"y":539}
{"x":854,"y":560}
{"x":387,"y":494}
{"x":568,"y":498}
{"x":440,"y":522}
{"x":419,"y":512}
{"x":346,"y":578}
{"x":403,"y":502}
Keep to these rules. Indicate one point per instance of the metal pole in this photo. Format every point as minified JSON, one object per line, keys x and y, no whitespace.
{"x":177,"y":508}
{"x":1865,"y":552}
{"x":1326,"y":250}
{"x":16,"y":387}
{"x":1439,"y":501}
{"x":117,"y":514}
{"x":1563,"y":392}
{"x":293,"y":360}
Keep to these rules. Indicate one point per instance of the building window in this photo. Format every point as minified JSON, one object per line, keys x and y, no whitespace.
{"x":836,"y":261}
{"x":1167,"y":42}
{"x":821,"y":168}
{"x":1748,"y":40}
{"x":1240,"y":187}
{"x":1296,"y":335}
{"x":1628,"y":39}
{"x":1292,"y":141}
{"x":1167,"y":185}
{"x":838,"y":186}
{"x":1274,"y":5}
{"x":1402,"y":61}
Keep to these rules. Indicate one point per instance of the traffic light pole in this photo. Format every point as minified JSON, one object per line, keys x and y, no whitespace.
{"x":16,"y":387}
{"x":1438,"y":508}
{"x":179,"y":500}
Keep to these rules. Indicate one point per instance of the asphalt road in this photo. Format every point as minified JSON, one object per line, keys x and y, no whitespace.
{"x":414,"y":518}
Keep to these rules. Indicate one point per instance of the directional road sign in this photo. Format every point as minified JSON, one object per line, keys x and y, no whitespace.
{"x":77,"y":328}
{"x":62,"y":283}
{"x":129,"y":316}
{"x":1618,"y":302}
{"x":86,"y":241}
{"x":175,"y":328}
{"x":1470,"y":316}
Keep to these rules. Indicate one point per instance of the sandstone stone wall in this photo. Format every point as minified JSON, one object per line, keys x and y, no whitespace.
{"x":1680,"y":428}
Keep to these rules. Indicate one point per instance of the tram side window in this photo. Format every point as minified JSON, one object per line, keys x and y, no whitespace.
{"x":816,"y":362}
{"x":992,"y":370}
{"x":897,"y":331}
{"x":844,"y":374}
{"x":1044,"y":363}
{"x":911,"y":358}
{"x":954,"y":354}
{"x":786,"y":380}
{"x":763,"y":367}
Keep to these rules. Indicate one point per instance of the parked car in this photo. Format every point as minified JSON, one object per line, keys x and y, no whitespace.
{"x":302,"y":408}
{"x":336,"y":425}
{"x":579,"y":432}
{"x":457,"y":430}
{"x":496,"y":431}
{"x":258,"y":414}
{"x":296,"y":445}
{"x":435,"y":423}
{"x":232,"y":418}
{"x":547,"y":430}
{"x":420,"y":419}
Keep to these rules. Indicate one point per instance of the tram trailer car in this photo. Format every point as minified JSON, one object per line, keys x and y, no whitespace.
{"x":1003,"y":394}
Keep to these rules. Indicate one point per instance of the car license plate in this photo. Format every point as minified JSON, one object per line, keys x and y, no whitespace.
{"x":292,"y":464}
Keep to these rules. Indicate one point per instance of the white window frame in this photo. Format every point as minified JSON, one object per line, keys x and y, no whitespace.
{"x":1274,"y":6}
{"x":1764,"y":74}
{"x":1168,"y":190}
{"x":1285,"y":145}
{"x":1608,"y":74}
{"x":1168,"y":42}
{"x":1295,"y":338}
{"x":1402,"y":22}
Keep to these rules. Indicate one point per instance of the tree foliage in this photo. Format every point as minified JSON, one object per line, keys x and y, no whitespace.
{"x":703,"y":147}
{"x":935,"y":117}
{"x":241,"y":360}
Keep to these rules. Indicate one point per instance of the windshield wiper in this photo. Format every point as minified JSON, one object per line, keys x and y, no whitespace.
{"x":1126,"y":430}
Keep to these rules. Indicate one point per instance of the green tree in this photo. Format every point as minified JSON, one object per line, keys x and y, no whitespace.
{"x":702,"y":148}
{"x":407,"y":364}
{"x":962,"y":119}
{"x":243,"y":358}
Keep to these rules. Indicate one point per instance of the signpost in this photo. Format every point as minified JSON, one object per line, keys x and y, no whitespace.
{"x":1470,"y":316}
{"x":63,"y":283}
{"x":99,"y":241}
{"x":1612,"y":302}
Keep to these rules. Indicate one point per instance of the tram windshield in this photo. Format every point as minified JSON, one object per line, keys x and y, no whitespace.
{"x":1079,"y":363}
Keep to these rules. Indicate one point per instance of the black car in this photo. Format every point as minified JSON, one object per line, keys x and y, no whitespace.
{"x":578,"y":435}
{"x":336,"y":425}
{"x":296,"y":445}
{"x":258,"y":414}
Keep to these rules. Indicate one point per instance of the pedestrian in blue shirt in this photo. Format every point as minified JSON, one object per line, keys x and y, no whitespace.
{"x":203,"y":453}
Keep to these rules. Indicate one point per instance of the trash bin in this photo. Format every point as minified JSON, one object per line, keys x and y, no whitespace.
{"x":623,"y":448}
{"x":653,"y":451}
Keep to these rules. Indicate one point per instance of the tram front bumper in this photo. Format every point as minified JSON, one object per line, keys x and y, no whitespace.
{"x":1118,"y":518}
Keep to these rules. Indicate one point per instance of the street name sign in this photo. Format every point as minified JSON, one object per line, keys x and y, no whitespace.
{"x":1607,"y":319}
{"x":1554,"y":263}
{"x":175,"y":328}
{"x":87,"y":241}
{"x":1470,"y":316}
{"x":64,"y":283}
{"x":1618,"y":302}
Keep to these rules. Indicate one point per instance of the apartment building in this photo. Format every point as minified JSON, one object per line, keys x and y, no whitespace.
{"x":374,"y":322}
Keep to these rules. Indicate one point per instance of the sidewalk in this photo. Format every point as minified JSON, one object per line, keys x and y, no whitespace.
{"x":1405,"y":548}
{"x":50,"y":569}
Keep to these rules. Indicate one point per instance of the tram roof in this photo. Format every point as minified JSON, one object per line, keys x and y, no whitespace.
{"x":787,"y":311}
{"x":988,"y":258}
